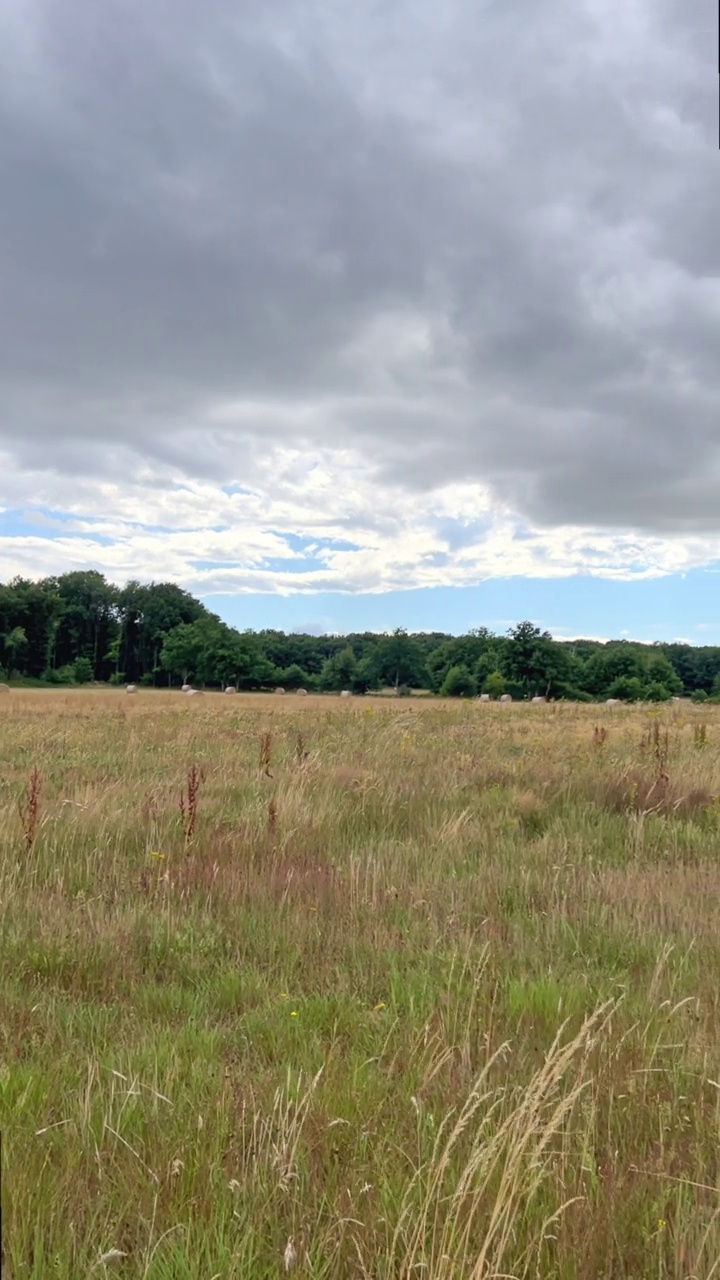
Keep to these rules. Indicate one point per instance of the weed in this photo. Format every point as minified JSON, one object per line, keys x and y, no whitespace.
{"x":266,"y":743}
{"x":189,"y":803}
{"x":30,"y":809}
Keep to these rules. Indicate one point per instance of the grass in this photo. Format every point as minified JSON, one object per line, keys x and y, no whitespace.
{"x":392,"y":990}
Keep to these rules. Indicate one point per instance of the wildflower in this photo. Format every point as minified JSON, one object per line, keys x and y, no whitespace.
{"x":284,"y":995}
{"x":155,"y":853}
{"x":381,"y":1005}
{"x":293,"y":1013}
{"x":661,"y":1223}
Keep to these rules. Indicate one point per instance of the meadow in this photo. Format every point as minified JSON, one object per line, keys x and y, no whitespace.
{"x":358,"y":988}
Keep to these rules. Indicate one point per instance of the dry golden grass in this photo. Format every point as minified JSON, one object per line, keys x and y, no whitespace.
{"x":390,"y":989}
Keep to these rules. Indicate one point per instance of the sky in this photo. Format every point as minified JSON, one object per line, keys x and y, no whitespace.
{"x":350,"y":316}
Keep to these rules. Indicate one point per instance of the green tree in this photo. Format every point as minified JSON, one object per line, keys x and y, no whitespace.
{"x":656,"y":692}
{"x":366,"y":675}
{"x":535,"y":662}
{"x":293,"y":677}
{"x":35,"y":607}
{"x":16,"y":645}
{"x":459,"y":683}
{"x":400,"y":660}
{"x":494,"y":684}
{"x":82,"y":670}
{"x":609,"y":664}
{"x":147,"y":615}
{"x":339,"y":671}
{"x":659,"y":670}
{"x":438,"y":664}
{"x":627,"y":688}
{"x":180,"y":652}
{"x":88,"y":622}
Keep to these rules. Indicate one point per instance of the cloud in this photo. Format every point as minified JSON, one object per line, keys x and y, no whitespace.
{"x":441,"y":283}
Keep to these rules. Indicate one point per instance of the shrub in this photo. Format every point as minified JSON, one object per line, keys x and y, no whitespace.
{"x":459,"y":683}
{"x":494,"y":684}
{"x":61,"y":675}
{"x":657,"y":692}
{"x":82,"y":670}
{"x":627,"y":688}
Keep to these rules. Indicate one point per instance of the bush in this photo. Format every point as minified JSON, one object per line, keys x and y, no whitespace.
{"x":82,"y":670}
{"x":292,"y":677}
{"x":699,"y":696}
{"x":494,"y":684}
{"x":61,"y":675}
{"x":459,"y":683}
{"x":657,"y":692}
{"x":627,"y":688}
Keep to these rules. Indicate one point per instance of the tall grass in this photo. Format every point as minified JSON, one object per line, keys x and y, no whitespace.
{"x":358,"y":989}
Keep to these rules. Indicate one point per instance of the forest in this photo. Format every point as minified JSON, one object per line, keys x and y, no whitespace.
{"x":78,"y":629}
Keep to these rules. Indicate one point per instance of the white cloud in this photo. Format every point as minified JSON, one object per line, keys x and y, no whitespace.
{"x":314,"y":524}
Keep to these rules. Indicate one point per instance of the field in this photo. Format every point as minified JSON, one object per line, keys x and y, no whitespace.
{"x":358,"y":988}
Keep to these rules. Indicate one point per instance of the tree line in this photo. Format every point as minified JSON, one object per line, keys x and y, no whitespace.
{"x":78,"y":628}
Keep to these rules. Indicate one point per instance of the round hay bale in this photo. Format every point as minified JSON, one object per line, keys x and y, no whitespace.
{"x":506,"y":697}
{"x":4,"y":688}
{"x":231,"y":689}
{"x":131,"y":688}
{"x":186,"y":688}
{"x":302,"y":693}
{"x":278,"y":690}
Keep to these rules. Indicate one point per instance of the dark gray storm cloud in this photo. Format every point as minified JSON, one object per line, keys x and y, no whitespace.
{"x":476,"y":241}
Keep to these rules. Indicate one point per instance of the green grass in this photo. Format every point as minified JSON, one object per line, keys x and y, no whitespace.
{"x":435,"y":995}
